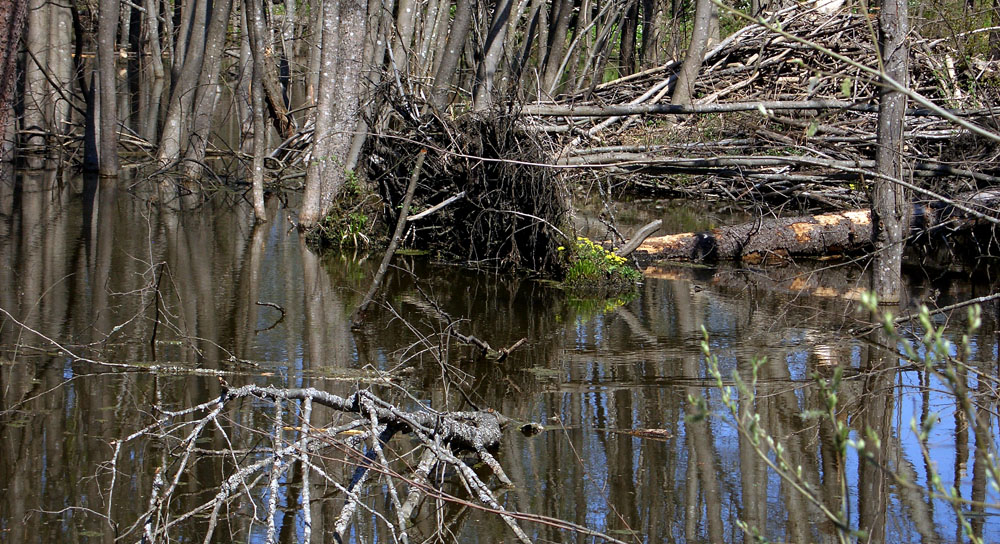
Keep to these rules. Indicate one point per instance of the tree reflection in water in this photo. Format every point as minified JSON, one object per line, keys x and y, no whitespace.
{"x":116,"y":276}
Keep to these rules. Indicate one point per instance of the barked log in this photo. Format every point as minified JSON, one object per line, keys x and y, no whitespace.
{"x":828,"y":234}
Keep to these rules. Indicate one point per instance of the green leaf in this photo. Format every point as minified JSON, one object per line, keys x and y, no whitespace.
{"x":845,"y":87}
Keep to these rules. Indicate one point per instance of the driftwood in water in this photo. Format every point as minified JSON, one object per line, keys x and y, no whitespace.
{"x":813,"y":236}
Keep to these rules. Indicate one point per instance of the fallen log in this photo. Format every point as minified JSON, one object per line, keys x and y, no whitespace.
{"x":766,"y":106}
{"x":840,"y":233}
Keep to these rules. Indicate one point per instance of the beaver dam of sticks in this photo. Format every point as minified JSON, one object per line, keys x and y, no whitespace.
{"x":779,"y":116}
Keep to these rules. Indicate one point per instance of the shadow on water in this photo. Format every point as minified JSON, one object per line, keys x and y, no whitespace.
{"x":113,"y":276}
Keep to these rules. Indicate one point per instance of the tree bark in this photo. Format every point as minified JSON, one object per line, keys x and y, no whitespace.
{"x":562,"y":10}
{"x":207,"y":92}
{"x":684,"y":87}
{"x":889,"y":199}
{"x":262,"y":46}
{"x":406,"y":14}
{"x":627,"y":39}
{"x":12,"y":15}
{"x":339,"y":97}
{"x":108,"y":113}
{"x":183,"y":83}
{"x":490,"y":63}
{"x":452,"y":53}
{"x":152,"y":30}
{"x":259,"y":129}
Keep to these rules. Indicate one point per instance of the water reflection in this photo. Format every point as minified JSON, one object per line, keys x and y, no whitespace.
{"x":113,"y":275}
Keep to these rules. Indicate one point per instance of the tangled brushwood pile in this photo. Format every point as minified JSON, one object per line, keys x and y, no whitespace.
{"x":501,"y":210}
{"x":779,"y":117}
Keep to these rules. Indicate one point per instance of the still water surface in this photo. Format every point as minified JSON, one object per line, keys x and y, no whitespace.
{"x":112,"y":275}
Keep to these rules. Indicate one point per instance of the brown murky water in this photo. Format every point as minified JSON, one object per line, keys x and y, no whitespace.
{"x":113,"y":277}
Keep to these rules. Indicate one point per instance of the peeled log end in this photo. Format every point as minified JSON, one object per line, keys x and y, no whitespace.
{"x":766,"y":239}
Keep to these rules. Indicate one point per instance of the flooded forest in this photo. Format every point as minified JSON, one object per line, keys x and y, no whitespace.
{"x":620,"y":271}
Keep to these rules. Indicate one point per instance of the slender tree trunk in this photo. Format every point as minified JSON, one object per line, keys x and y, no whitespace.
{"x":890,"y":208}
{"x":262,"y":47}
{"x":406,"y":14}
{"x":495,"y":39}
{"x":562,"y":11}
{"x":60,"y":65}
{"x":12,"y":17}
{"x":36,"y":114}
{"x":207,"y":91}
{"x":108,"y":112}
{"x":380,"y":25}
{"x":684,"y":87}
{"x":153,"y":38}
{"x":339,"y":97}
{"x":315,"y":52}
{"x":259,"y":131}
{"x":649,"y":53}
{"x":434,"y":20}
{"x":175,"y":123}
{"x":452,"y":53}
{"x":627,"y":39}
{"x":244,"y":98}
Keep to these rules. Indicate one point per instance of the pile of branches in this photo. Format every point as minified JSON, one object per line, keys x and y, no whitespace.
{"x":482,"y":198}
{"x":294,"y":458}
{"x":781,"y":115}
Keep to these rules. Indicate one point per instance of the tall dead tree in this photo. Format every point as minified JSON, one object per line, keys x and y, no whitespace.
{"x":889,"y":203}
{"x":337,"y":105}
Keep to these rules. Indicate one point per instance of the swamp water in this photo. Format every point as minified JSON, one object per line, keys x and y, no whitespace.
{"x":110,"y":276}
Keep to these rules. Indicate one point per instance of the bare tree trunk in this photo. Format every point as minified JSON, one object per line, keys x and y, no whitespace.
{"x":339,"y":97}
{"x":60,"y":65}
{"x":259,"y":131}
{"x":207,"y":91}
{"x":375,"y":44}
{"x":36,"y":88}
{"x":649,"y":53}
{"x":262,"y":48}
{"x":406,"y":13}
{"x":452,"y":53}
{"x":183,"y":86}
{"x":627,"y":39}
{"x":12,"y":15}
{"x":490,"y":63}
{"x":890,"y":208}
{"x":315,"y":53}
{"x":152,"y":29}
{"x":108,"y":113}
{"x":562,"y":10}
{"x":435,"y":19}
{"x":684,"y":87}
